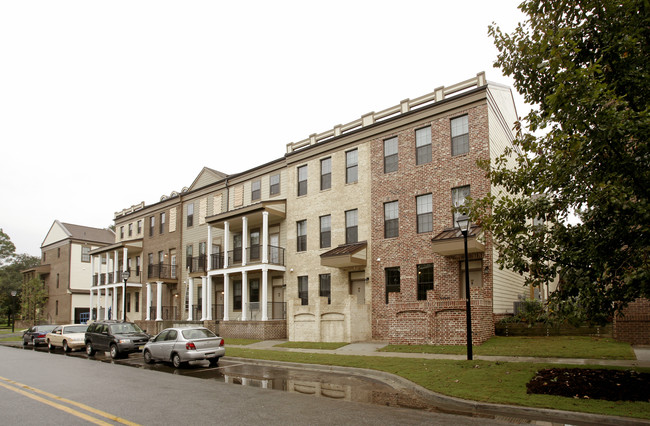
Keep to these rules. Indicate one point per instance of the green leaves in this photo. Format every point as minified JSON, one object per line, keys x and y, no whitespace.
{"x":584,"y":65}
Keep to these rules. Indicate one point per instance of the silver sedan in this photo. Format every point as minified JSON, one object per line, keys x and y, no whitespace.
{"x":181,"y":345}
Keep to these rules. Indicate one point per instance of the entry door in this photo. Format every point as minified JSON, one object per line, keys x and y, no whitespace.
{"x":274,"y":250}
{"x":278,"y":301}
{"x":359,"y":288}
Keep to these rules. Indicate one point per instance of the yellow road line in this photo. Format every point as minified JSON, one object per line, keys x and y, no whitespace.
{"x":67,"y":401}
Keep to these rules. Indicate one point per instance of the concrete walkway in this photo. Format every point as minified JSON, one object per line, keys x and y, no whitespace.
{"x":371,"y":349}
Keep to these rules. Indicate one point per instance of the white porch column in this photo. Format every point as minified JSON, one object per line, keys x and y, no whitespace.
{"x":190,"y":296}
{"x":226,"y":243}
{"x":265,"y":293}
{"x":125,"y":255}
{"x":208,"y":281}
{"x":116,"y":256}
{"x":123,"y":303}
{"x":106,"y":271}
{"x":159,"y":300}
{"x":148,"y":316}
{"x":244,"y":240}
{"x":90,"y":313}
{"x":203,"y":299}
{"x":114,"y":301}
{"x":99,"y":297}
{"x":244,"y":296}
{"x":106,"y":303}
{"x":265,"y":237}
{"x":209,"y":251}
{"x":226,"y":297}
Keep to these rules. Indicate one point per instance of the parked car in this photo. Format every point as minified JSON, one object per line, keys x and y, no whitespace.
{"x":181,"y":345}
{"x":120,"y":338}
{"x":36,"y":335}
{"x":68,"y":337}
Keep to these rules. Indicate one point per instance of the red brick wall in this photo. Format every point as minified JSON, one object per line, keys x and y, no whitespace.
{"x":633,"y":326}
{"x":441,"y":318}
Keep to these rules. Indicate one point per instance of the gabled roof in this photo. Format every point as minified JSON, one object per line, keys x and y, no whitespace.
{"x":206,"y":177}
{"x":60,"y":231}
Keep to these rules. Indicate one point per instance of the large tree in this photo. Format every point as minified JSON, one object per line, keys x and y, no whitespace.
{"x":584,"y":66}
{"x":7,"y":248}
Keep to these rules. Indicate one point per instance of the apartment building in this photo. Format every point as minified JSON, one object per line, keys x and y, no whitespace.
{"x":66,"y":270}
{"x":349,"y":236}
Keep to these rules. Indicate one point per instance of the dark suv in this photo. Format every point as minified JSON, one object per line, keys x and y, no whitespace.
{"x":118,"y":337}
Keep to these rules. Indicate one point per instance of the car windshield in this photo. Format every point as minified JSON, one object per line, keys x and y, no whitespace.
{"x":45,"y":328}
{"x":75,"y":329}
{"x":198,"y":333}
{"x":126,"y":328}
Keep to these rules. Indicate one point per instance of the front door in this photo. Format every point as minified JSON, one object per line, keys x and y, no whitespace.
{"x":359,"y":288}
{"x":278,"y":299}
{"x":274,"y":249}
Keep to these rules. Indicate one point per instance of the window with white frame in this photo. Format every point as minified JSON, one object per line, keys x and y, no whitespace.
{"x":325,"y":231}
{"x":274,"y":184}
{"x":459,"y":135}
{"x":424,"y":206}
{"x":423,"y":145}
{"x":351,"y":226}
{"x":390,"y":155}
{"x":303,"y":290}
{"x":325,"y":173}
{"x":391,"y":219}
{"x":458,"y":197}
{"x":256,"y":190}
{"x":302,"y":180}
{"x":325,"y":287}
{"x":301,"y":235}
{"x":352,"y":166}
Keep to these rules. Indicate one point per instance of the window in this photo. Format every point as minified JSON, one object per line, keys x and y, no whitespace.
{"x":58,"y":252}
{"x":121,"y":232}
{"x":56,"y":312}
{"x":104,"y":259}
{"x":391,"y":220}
{"x":137,"y":266}
{"x":85,"y":254}
{"x":190,"y":215}
{"x":236,"y":247}
{"x":254,"y":245}
{"x":424,"y":207}
{"x":325,"y":173}
{"x":302,"y":180}
{"x":425,"y":280}
{"x":325,"y":231}
{"x":130,"y":229}
{"x":256,"y":190}
{"x":325,"y":287}
{"x":390,"y":155}
{"x":139,"y":227}
{"x":352,"y":166}
{"x":254,"y":290}
{"x":392,"y":281}
{"x":150,"y":258}
{"x":57,"y":280}
{"x":162,"y":222}
{"x":459,"y":135}
{"x":301,"y":232}
{"x":236,"y":295}
{"x":423,"y":145}
{"x":137,"y":301}
{"x":351,"y":226}
{"x":161,"y":257}
{"x":189,"y":252}
{"x":274,"y":184}
{"x":303,"y":290}
{"x":152,"y":225}
{"x":458,"y":196}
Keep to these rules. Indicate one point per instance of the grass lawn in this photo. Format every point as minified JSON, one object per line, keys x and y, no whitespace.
{"x":241,"y":342}
{"x":312,"y":345}
{"x":544,"y":347}
{"x":11,"y":339}
{"x":495,"y":382}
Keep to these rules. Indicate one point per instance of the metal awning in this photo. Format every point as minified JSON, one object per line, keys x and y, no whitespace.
{"x":450,"y":242}
{"x":345,"y":256}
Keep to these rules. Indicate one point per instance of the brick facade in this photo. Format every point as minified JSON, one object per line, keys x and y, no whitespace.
{"x":633,"y":326}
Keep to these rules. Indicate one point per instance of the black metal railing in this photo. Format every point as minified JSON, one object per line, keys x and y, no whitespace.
{"x":166,"y":313}
{"x":199,"y":264}
{"x":161,"y":270}
{"x":253,"y":256}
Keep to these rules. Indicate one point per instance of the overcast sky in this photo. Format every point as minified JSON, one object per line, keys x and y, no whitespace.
{"x":107,"y":104}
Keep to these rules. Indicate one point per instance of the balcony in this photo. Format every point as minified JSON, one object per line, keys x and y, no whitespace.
{"x":198,"y":263}
{"x":162,"y":271}
{"x":253,"y":256}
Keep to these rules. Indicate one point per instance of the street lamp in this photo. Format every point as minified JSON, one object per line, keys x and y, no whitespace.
{"x":14,"y":293}
{"x":125,"y":276}
{"x":464,"y":225}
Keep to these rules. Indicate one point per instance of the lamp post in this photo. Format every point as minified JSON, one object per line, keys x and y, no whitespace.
{"x":464,"y":225}
{"x":14,"y":293}
{"x":125,"y":276}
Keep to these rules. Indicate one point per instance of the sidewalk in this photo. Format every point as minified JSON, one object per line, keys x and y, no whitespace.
{"x":370,"y":349}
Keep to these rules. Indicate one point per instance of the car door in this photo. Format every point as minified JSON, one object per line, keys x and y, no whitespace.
{"x":168,"y":345}
{"x":156,"y":346}
{"x":55,"y":336}
{"x":102,"y":338}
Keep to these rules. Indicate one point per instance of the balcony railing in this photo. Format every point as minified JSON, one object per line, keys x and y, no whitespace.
{"x":167,"y":313}
{"x":276,"y":311}
{"x":253,"y":256}
{"x":161,"y":270}
{"x":198,"y":264}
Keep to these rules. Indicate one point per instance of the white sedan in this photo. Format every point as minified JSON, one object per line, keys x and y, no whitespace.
{"x":181,"y":345}
{"x":68,"y":337}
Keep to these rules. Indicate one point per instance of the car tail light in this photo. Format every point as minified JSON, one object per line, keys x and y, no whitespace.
{"x":221,"y":343}
{"x":190,"y":346}
{"x":41,"y":335}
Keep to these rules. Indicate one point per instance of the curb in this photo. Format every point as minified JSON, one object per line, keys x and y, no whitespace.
{"x":452,"y":405}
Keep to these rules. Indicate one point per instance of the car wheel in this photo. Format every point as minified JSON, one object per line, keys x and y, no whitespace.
{"x":176,"y":361}
{"x":147,"y":357}
{"x":24,"y":342}
{"x":66,"y":348}
{"x":115,"y":353}
{"x":90,"y":351}
{"x":214,"y":362}
{"x":34,"y":344}
{"x":49,"y":345}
